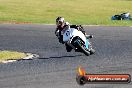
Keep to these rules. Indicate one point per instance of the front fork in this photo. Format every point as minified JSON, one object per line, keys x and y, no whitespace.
{"x":87,"y":44}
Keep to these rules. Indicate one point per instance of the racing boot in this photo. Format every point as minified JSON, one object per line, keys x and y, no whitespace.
{"x":88,"y":36}
{"x":68,"y":48}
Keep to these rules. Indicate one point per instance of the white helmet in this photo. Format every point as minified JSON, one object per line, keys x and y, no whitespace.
{"x":59,"y":20}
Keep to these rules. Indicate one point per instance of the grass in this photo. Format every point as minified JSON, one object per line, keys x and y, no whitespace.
{"x":11,"y":55}
{"x":91,"y":12}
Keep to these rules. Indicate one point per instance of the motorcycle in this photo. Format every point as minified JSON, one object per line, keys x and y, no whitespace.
{"x":77,"y":41}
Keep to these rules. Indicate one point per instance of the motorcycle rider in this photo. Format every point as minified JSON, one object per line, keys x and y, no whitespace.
{"x":61,"y":25}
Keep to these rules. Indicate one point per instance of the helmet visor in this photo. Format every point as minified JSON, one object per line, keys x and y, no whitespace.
{"x":59,"y":23}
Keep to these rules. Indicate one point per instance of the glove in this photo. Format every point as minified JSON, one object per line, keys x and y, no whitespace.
{"x":57,"y":33}
{"x":61,"y":39}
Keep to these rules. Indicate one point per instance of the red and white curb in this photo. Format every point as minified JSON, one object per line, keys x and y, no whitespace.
{"x":28,"y":57}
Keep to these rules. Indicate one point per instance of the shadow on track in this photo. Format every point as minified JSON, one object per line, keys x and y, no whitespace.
{"x":62,"y":57}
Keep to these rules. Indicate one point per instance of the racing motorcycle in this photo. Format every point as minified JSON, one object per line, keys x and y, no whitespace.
{"x":77,"y":41}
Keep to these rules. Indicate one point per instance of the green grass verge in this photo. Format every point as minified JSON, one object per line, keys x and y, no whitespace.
{"x":11,"y":55}
{"x":91,"y":12}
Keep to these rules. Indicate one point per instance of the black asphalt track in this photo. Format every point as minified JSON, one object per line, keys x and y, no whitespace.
{"x":56,"y":68}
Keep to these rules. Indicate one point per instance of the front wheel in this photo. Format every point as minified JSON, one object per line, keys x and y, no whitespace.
{"x":92,"y":51}
{"x":84,"y":50}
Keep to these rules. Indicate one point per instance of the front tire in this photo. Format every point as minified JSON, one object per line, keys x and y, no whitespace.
{"x":84,"y":50}
{"x":92,"y":51}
